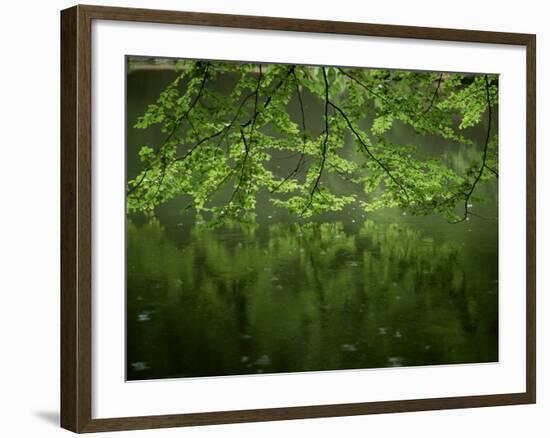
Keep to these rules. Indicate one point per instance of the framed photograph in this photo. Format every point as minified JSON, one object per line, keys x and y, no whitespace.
{"x":270,"y":218}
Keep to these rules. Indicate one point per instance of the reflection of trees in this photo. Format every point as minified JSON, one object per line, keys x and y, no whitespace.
{"x":303,"y":297}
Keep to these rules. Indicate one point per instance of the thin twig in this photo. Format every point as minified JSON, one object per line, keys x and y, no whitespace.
{"x":302,"y":152}
{"x":369,"y":152}
{"x":324,"y":147}
{"x":243,"y":166}
{"x":484,"y":158}
{"x":434,"y":96}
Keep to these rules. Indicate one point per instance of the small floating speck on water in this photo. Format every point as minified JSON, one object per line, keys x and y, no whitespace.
{"x":382,"y":330}
{"x":263,"y":360}
{"x":353,"y":221}
{"x":349,"y":347}
{"x":427,"y":347}
{"x":397,"y":334}
{"x":179,"y":282}
{"x":398,"y":297}
{"x":395,"y":361}
{"x":301,"y":249}
{"x":144,"y":316}
{"x":246,"y":336}
{"x":270,"y":217}
{"x":470,"y":205}
{"x":274,"y":278}
{"x":353,"y":263}
{"x":404,"y":213}
{"x":280,"y":287}
{"x":244,"y":359}
{"x":139,"y":366}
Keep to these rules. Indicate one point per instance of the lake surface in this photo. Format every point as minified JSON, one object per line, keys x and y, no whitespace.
{"x":348,"y":290}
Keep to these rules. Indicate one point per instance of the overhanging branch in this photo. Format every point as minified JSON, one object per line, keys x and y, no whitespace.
{"x":324,"y":146}
{"x":484,"y":158}
{"x":369,"y":152}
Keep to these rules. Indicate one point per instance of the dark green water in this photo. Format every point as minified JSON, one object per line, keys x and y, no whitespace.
{"x":347,"y":291}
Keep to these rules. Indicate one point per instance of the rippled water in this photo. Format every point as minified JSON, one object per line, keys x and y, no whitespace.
{"x":286,"y":298}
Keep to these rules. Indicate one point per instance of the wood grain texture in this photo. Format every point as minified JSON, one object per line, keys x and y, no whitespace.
{"x":76,"y":186}
{"x":531,"y":213}
{"x":69,"y":385}
{"x":76,"y":218}
{"x":299,"y":25}
{"x":303,"y":412}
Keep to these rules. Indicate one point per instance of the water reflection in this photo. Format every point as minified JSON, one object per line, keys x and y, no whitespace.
{"x":304,"y":297}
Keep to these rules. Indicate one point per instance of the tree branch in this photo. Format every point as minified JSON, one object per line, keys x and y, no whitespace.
{"x":414,"y":116}
{"x":268,"y":100}
{"x":302,"y":155}
{"x":243,"y":165}
{"x":364,"y":86}
{"x":255,"y":114}
{"x":299,"y":94}
{"x":223,"y":131}
{"x":369,"y":152}
{"x":172,"y":132}
{"x":490,"y":169}
{"x":193,"y":103}
{"x":434,"y":97}
{"x":484,"y":157}
{"x":292,"y":173}
{"x":324,"y":147}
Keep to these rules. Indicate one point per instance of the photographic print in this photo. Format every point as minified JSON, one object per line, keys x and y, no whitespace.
{"x":287,"y":218}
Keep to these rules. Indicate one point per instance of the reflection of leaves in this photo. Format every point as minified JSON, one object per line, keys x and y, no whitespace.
{"x":222,"y":148}
{"x":395,"y":246}
{"x":298,"y":293}
{"x":317,"y":244}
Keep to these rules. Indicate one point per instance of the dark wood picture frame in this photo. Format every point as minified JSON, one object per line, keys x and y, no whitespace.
{"x":76,"y":218}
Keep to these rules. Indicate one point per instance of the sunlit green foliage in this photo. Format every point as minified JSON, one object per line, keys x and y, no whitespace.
{"x":218,"y":144}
